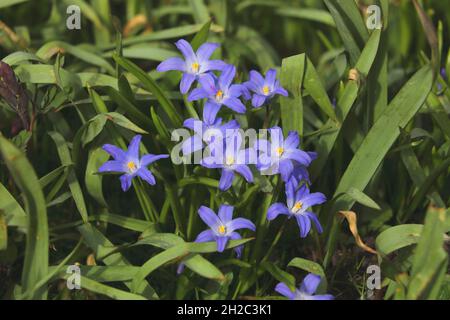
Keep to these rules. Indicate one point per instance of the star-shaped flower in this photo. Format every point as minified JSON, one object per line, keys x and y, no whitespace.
{"x":306,"y":290}
{"x":194,"y":65}
{"x":222,"y":227}
{"x":264,"y":89}
{"x":129,"y":163}
{"x":297,"y":205}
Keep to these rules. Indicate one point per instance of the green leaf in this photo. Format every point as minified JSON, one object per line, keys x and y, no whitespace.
{"x":126,"y":222}
{"x":60,"y":199}
{"x":14,"y":214}
{"x":123,"y":122}
{"x":53,"y":271}
{"x":362,"y":198}
{"x":383,"y":134}
{"x":50,"y":48}
{"x":106,"y":273}
{"x":316,"y":15}
{"x":169,"y":33}
{"x":203,"y":267}
{"x":307,"y":265}
{"x":378,"y":142}
{"x":292,"y":74}
{"x":313,"y":85}
{"x":36,"y":252}
{"x":280,"y":275}
{"x":89,"y":12}
{"x":93,"y":180}
{"x":157,"y":261}
{"x":345,"y":103}
{"x":45,"y":74}
{"x":201,"y":36}
{"x":424,"y":188}
{"x":18,"y":57}
{"x":257,"y":47}
{"x":92,"y":129}
{"x":111,"y":292}
{"x":146,"y":52}
{"x":74,"y":186}
{"x":7,"y":3}
{"x":430,"y":32}
{"x":311,"y":267}
{"x":430,"y":259}
{"x":160,"y":240}
{"x":200,"y":11}
{"x":51,"y":176}
{"x":209,"y":182}
{"x":150,"y":85}
{"x":125,"y":103}
{"x":417,"y":174}
{"x":97,"y":241}
{"x":398,"y":237}
{"x":350,"y":25}
{"x":205,"y":247}
{"x":160,"y":128}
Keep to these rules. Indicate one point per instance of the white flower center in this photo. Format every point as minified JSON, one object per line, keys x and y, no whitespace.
{"x":229,"y":161}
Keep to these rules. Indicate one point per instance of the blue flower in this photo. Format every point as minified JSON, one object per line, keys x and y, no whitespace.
{"x":129,"y":163}
{"x":222,"y":227}
{"x":444,"y":74}
{"x":306,"y":290}
{"x":264,"y":88}
{"x":195,"y":64}
{"x":280,"y":155}
{"x":300,"y":172}
{"x":231,"y":158}
{"x":298,"y":202}
{"x":220,"y":91}
{"x":207,"y":131}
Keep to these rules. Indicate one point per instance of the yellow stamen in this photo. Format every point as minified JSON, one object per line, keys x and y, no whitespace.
{"x":221,"y":229}
{"x":229,"y":161}
{"x":297,"y":206}
{"x":266,"y":90}
{"x":131,"y":166}
{"x":219,"y":95}
{"x":195,"y":66}
{"x":280,"y":151}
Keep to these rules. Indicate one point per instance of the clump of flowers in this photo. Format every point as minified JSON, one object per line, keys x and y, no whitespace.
{"x":223,"y":147}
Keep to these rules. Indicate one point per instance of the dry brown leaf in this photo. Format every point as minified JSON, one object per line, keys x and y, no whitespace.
{"x":135,"y":22}
{"x":90,"y":261}
{"x":350,"y":216}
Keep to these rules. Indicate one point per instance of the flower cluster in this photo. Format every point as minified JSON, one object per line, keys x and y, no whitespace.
{"x":224,"y":147}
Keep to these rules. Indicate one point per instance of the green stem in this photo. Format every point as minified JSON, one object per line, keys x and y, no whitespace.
{"x":274,"y":242}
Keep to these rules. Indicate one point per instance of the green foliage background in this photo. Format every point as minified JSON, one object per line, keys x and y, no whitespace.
{"x":374,"y":104}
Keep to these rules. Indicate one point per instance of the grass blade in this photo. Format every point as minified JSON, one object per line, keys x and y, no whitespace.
{"x":36,"y":253}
